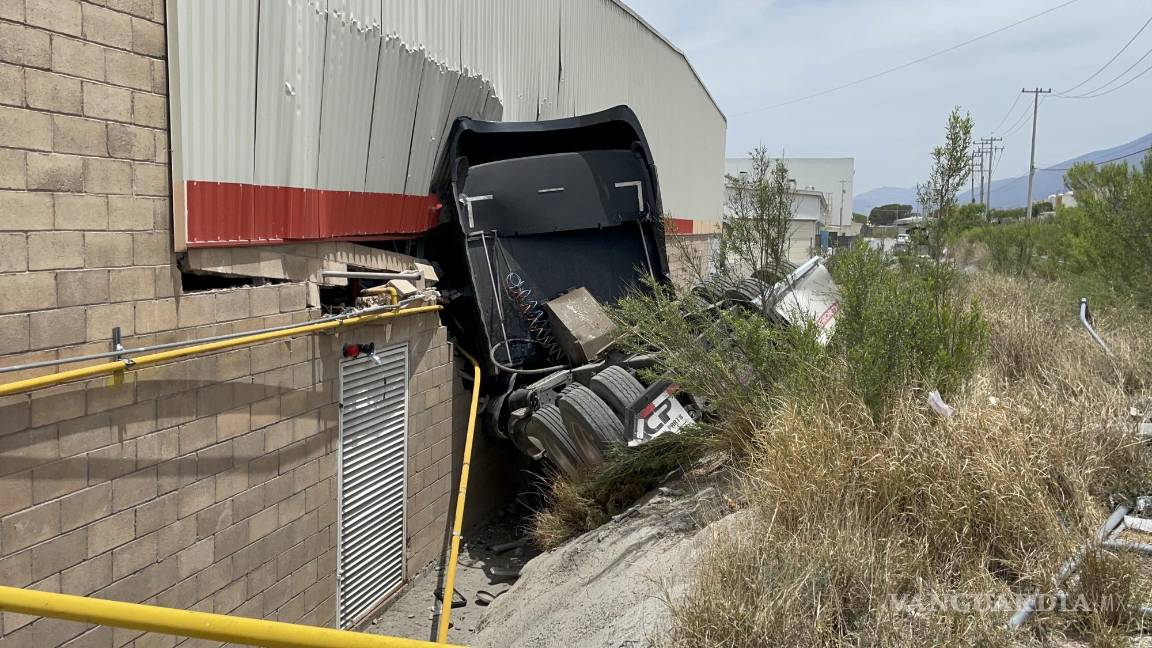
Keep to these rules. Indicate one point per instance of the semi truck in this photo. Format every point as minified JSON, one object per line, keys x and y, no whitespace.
{"x":544,"y":224}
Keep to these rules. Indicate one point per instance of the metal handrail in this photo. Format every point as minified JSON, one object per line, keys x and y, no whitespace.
{"x":188,"y":623}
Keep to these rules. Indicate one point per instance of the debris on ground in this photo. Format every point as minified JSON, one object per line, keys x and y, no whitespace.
{"x":484,"y":553}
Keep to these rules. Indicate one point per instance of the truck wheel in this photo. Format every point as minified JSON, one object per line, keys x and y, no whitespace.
{"x":546,"y":428}
{"x":589,"y":419}
{"x":749,"y":289}
{"x":712,"y":290}
{"x":618,"y":388}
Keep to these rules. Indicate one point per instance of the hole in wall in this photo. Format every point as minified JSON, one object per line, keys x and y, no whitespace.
{"x":193,"y":282}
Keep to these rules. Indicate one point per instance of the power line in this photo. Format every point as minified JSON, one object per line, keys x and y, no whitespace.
{"x":1010,"y":108}
{"x":1092,"y":94}
{"x":1020,"y":122}
{"x":907,"y":64}
{"x":1109,"y":62}
{"x":1115,"y":88}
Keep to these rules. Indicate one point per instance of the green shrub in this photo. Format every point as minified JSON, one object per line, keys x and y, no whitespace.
{"x":904,"y":325}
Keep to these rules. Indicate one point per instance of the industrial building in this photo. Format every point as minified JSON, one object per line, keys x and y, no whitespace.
{"x":181,"y":170}
{"x":831,"y":176}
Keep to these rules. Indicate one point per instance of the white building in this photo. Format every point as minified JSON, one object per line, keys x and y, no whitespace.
{"x":829,"y":176}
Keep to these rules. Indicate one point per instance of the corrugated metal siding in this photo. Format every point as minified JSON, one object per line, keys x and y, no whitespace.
{"x":218,"y":88}
{"x":338,"y":105}
{"x":289,"y":89}
{"x":373,"y":481}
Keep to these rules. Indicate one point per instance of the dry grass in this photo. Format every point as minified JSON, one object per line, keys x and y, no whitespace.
{"x":853,"y":510}
{"x":568,"y":513}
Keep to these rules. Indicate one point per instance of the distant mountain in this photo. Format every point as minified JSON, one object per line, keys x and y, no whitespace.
{"x":1013,"y":192}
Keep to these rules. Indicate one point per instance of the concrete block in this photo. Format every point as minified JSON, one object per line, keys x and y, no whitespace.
{"x":130,"y":212}
{"x":102,"y":318}
{"x":55,"y":172}
{"x":12,"y":90}
{"x":25,"y":46}
{"x":197,"y":434}
{"x":155,"y":315}
{"x":13,"y":334}
{"x":108,"y":27}
{"x":151,"y":248}
{"x":51,"y":329}
{"x":88,"y":576}
{"x":148,"y":38}
{"x":13,"y":170}
{"x":131,"y":283}
{"x":132,"y":490}
{"x":76,"y":58}
{"x":127,"y":69}
{"x":150,"y":179}
{"x":176,"y":536}
{"x":107,"y":176}
{"x":131,"y":142}
{"x":57,"y":15}
{"x":29,"y":526}
{"x":149,"y":110}
{"x":111,"y":532}
{"x":54,"y":92}
{"x":79,"y":135}
{"x":107,"y":250}
{"x":55,"y":250}
{"x":142,"y":8}
{"x":81,"y":212}
{"x":232,"y":304}
{"x":134,"y":556}
{"x":13,"y":252}
{"x":58,"y":478}
{"x":80,"y":435}
{"x":107,"y":102}
{"x":79,"y":287}
{"x":25,"y":211}
{"x":25,"y":292}
{"x":195,"y":558}
{"x":59,"y":553}
{"x":27,"y":129}
{"x":85,"y":506}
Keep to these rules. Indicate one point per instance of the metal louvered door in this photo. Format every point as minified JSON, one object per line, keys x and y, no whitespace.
{"x":373,"y":481}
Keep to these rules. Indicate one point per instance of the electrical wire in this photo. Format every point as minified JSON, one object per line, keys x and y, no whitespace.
{"x":1010,"y":109}
{"x":1110,"y":61}
{"x":1092,"y":94}
{"x":1115,"y":88}
{"x":1020,"y":122}
{"x":907,"y":64}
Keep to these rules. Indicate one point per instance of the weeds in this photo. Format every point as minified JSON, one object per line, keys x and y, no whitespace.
{"x":863,"y":524}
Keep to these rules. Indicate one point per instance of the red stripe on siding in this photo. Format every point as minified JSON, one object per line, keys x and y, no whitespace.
{"x":677,"y":226}
{"x":229,"y":213}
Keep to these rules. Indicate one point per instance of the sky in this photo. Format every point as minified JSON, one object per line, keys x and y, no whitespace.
{"x":753,"y":54}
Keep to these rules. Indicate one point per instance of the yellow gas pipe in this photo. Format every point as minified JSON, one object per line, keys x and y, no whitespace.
{"x":461,"y":497}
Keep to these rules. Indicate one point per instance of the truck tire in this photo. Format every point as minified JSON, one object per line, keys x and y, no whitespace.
{"x":618,"y":388}
{"x":589,"y":419}
{"x":546,"y":427}
{"x":712,"y":290}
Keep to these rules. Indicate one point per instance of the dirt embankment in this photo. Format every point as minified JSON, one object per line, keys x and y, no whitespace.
{"x":610,"y":586}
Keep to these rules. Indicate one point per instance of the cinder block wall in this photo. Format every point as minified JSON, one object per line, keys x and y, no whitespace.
{"x":205,"y":484}
{"x":689,"y":258}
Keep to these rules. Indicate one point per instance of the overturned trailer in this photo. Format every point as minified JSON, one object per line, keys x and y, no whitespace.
{"x":544,"y":224}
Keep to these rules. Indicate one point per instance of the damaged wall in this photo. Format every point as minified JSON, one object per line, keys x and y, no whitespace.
{"x":208,"y":483}
{"x":319,"y":118}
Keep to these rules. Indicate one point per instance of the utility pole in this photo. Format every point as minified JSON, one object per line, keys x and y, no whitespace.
{"x":842,"y":190}
{"x":1035,"y":92}
{"x":992,"y":148}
